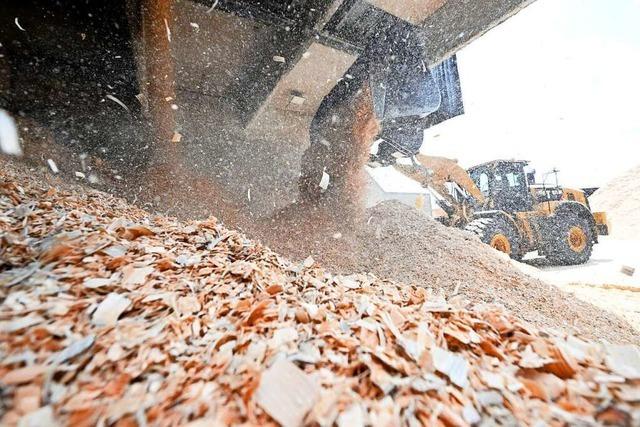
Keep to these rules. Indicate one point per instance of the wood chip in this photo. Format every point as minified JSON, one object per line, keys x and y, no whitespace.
{"x":135,"y":275}
{"x":20,"y":323}
{"x":110,"y":309}
{"x":286,"y":393}
{"x":75,"y":348}
{"x":135,"y":231}
{"x":23,"y":375}
{"x":97,"y":282}
{"x":353,"y":416}
{"x":452,"y":365}
{"x":624,"y":360}
{"x":42,"y":417}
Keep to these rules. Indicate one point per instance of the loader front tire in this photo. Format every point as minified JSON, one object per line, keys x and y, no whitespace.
{"x":569,"y":240}
{"x":497,"y":233}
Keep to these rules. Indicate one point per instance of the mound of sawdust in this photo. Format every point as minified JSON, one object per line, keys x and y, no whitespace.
{"x":619,"y":199}
{"x":397,"y":242}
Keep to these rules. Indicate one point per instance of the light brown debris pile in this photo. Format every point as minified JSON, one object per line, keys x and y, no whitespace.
{"x":112,"y":317}
{"x":396,"y":242}
{"x":619,"y":199}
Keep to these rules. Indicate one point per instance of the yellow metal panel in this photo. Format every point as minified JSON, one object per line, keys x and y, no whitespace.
{"x":574,"y":195}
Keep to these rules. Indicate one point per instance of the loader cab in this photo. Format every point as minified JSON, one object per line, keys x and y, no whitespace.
{"x":504,"y":185}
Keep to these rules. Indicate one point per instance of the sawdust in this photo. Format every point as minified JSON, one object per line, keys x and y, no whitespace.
{"x":621,"y":300}
{"x":398,"y":243}
{"x":619,"y":199}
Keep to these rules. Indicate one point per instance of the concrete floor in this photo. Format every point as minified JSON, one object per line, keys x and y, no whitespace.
{"x":599,"y":281}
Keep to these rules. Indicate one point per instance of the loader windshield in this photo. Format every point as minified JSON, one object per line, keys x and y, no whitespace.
{"x":514,"y":179}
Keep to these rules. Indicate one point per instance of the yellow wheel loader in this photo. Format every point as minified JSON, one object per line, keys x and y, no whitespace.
{"x":499,"y":202}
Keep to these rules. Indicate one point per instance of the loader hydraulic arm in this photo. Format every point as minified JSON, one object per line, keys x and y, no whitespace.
{"x":448,"y":170}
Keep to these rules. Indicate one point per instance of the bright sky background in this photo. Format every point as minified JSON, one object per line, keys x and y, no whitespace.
{"x":557,"y":84}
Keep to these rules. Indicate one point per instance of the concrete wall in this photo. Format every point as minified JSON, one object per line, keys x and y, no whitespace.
{"x":375,"y":195}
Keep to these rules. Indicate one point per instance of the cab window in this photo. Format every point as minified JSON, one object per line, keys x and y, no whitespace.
{"x":484,"y":183}
{"x":513,"y":179}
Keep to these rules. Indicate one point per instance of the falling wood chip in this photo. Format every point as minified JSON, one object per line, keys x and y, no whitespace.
{"x":117,"y":101}
{"x":286,"y":393}
{"x":325,"y":180}
{"x":9,"y":141}
{"x":166,"y":26}
{"x":53,"y":166}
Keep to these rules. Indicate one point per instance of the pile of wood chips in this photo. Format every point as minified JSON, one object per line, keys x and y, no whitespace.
{"x":112,"y":317}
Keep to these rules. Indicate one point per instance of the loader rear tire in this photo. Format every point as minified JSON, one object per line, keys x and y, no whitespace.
{"x":569,"y":240}
{"x":497,"y":233}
